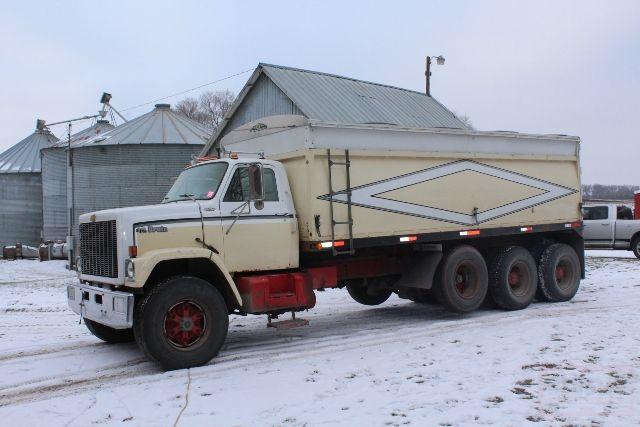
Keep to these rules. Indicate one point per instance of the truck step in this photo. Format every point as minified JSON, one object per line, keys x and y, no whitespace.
{"x":288,"y":324}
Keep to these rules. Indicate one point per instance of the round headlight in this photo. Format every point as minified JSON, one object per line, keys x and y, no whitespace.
{"x":79,"y":265}
{"x":130,"y":270}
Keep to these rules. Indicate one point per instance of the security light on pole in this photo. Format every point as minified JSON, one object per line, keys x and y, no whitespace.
{"x":440,"y":61}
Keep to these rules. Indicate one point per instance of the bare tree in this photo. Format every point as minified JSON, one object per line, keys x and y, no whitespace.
{"x":215,"y":105}
{"x":608,"y":192}
{"x":189,"y":107}
{"x":209,"y":108}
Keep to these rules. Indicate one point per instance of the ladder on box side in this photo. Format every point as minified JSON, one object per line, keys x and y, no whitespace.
{"x":349,"y":221}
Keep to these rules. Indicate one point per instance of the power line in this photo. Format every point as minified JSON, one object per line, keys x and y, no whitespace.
{"x":187,"y":91}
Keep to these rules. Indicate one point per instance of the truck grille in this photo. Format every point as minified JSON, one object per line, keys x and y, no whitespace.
{"x":98,"y":249}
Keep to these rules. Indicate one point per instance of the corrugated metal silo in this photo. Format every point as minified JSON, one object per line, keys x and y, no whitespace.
{"x":21,"y":190}
{"x":55,"y":210}
{"x":135,"y":163}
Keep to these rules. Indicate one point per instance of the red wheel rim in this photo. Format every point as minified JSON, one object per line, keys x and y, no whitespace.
{"x":184,"y":324}
{"x":564,"y":273}
{"x":514,"y":277}
{"x":465,"y":281}
{"x":519,"y":279}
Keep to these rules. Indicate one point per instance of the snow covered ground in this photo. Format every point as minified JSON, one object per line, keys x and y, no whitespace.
{"x":575,"y":363}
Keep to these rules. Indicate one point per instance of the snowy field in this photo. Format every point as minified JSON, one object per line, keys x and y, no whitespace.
{"x":575,"y":363}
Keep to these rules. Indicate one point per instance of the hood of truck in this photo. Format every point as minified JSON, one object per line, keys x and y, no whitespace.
{"x":130,"y":221}
{"x":160,"y":212}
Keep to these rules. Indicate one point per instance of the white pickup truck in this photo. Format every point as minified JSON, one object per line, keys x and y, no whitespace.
{"x":611,"y":227}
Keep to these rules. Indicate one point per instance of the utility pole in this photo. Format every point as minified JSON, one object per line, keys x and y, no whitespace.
{"x":70,"y":204}
{"x":440,"y":61}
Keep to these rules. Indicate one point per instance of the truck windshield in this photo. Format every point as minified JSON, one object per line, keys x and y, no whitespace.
{"x":197,"y":183}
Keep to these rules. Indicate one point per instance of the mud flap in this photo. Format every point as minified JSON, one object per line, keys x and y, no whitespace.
{"x":420,"y":271}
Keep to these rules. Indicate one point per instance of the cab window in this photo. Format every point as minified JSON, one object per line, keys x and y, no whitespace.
{"x":594,"y":213}
{"x":624,"y":212}
{"x":238,"y":190}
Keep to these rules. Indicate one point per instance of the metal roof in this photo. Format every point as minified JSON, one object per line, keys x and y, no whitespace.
{"x":331,"y":98}
{"x":24,"y":157}
{"x":337,"y":99}
{"x":161,"y":125}
{"x":97,"y":129}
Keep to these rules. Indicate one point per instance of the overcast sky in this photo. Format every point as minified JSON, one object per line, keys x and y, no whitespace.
{"x":568,"y":67}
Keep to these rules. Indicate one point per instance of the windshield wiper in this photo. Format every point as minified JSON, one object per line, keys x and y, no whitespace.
{"x":181,"y":198}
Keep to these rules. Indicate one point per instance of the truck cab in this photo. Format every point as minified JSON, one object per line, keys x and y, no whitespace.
{"x":611,"y":226}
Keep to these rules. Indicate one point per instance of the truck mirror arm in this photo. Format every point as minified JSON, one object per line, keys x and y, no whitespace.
{"x":240,"y":211}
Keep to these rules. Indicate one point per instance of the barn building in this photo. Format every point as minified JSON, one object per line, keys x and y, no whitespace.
{"x":55,"y":206}
{"x":21,"y":190}
{"x":274,"y":90}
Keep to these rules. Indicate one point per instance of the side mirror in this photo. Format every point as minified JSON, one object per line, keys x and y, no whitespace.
{"x":256,"y":185}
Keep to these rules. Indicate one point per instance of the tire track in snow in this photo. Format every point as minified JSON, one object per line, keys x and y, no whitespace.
{"x":139,"y":371}
{"x":49,"y":350}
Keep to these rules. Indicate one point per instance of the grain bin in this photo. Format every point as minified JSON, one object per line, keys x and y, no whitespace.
{"x":21,"y":190}
{"x":55,"y":209}
{"x":134,"y":163}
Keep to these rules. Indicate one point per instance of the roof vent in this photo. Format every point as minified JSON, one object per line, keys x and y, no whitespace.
{"x":163,"y":106}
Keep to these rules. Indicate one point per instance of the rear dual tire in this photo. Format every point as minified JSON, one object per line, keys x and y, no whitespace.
{"x":461,"y":281}
{"x":558,"y":273}
{"x":513,"y":278}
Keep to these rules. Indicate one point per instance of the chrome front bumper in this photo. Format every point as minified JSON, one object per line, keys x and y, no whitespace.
{"x":109,"y":308}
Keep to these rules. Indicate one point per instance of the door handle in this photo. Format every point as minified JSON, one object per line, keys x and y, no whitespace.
{"x":604,"y":223}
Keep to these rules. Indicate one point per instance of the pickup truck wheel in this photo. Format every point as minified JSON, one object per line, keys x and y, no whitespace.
{"x":513,"y":278}
{"x":108,"y":334}
{"x":559,"y":273}
{"x":368,"y":295}
{"x":461,"y":280}
{"x":181,"y":323}
{"x":635,"y":247}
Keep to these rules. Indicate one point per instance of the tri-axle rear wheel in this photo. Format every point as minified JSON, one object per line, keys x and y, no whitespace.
{"x":513,"y":278}
{"x":181,"y":323}
{"x":461,"y":280}
{"x":559,"y":273}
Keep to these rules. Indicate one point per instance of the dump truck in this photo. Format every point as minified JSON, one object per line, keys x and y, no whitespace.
{"x":288,"y":206}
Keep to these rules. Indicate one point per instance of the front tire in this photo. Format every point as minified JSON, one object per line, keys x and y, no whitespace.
{"x":513,"y":278}
{"x":559,"y":273}
{"x":181,"y":323}
{"x":108,"y":334}
{"x":462,"y":280}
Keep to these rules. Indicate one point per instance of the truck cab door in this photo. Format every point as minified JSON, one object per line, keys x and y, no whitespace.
{"x":599,"y":226}
{"x":625,"y":227}
{"x":263,"y":235}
